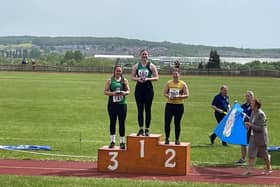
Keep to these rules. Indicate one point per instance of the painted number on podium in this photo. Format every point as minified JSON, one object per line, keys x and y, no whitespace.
{"x":168,"y":163}
{"x":113,"y":159}
{"x":141,"y":148}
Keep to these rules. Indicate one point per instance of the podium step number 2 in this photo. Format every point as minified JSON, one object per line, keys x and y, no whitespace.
{"x":146,"y":155}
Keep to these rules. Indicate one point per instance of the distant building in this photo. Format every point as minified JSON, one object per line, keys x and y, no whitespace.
{"x":113,"y":56}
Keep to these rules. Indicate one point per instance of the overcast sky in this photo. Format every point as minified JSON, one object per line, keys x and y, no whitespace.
{"x":237,"y":23}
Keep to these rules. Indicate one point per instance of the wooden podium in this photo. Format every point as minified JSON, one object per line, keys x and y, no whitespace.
{"x":146,"y":155}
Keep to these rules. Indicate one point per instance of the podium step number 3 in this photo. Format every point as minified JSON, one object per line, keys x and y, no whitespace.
{"x":146,"y":155}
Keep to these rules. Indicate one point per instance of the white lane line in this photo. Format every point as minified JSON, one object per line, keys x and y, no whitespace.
{"x":235,"y":175}
{"x":51,"y":154}
{"x":41,"y":168}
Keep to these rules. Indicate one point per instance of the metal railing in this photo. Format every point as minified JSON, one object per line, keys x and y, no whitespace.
{"x":107,"y":69}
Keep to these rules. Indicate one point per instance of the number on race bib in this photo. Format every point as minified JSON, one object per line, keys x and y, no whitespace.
{"x":143,"y":73}
{"x":173,"y":92}
{"x":117,"y":98}
{"x":113,"y":159}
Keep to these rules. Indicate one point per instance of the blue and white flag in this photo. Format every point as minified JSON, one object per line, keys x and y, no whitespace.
{"x":232,"y":128}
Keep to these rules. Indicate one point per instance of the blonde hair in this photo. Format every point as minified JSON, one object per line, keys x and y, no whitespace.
{"x":250,"y":92}
{"x":223,"y":87}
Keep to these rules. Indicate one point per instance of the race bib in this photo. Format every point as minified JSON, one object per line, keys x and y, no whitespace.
{"x":117,"y":98}
{"x":174,"y":92}
{"x":143,"y":73}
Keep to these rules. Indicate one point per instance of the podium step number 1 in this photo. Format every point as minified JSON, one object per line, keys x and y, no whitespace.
{"x":146,"y":155}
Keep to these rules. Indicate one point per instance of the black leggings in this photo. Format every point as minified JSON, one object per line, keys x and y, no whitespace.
{"x":144,"y":97}
{"x":117,"y":111}
{"x":219,"y":117}
{"x":176,"y":110}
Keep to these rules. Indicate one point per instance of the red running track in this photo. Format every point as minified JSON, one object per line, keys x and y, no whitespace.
{"x":89,"y":169}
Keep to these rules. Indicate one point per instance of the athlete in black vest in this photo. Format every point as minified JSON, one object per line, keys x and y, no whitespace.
{"x":144,"y":72}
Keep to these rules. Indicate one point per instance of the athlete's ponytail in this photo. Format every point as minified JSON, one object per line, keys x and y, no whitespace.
{"x":117,"y":64}
{"x":176,"y":66}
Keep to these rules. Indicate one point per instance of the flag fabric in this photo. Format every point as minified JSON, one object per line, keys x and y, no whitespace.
{"x":25,"y":147}
{"x":273,"y":148}
{"x":232,"y":128}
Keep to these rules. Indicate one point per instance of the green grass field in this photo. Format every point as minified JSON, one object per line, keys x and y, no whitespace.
{"x":16,"y":181}
{"x":68,"y":112}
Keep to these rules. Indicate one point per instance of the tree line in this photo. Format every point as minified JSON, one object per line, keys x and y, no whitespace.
{"x":132,"y":46}
{"x":77,"y":58}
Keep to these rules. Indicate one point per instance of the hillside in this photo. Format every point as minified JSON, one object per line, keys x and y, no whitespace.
{"x":94,"y":45}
